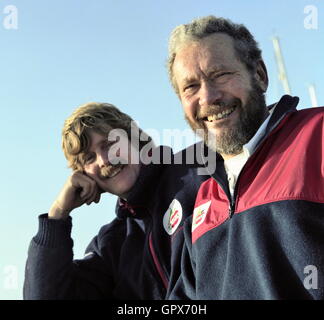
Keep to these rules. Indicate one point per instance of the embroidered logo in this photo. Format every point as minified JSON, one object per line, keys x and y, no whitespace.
{"x":172,"y":217}
{"x":199,"y":215}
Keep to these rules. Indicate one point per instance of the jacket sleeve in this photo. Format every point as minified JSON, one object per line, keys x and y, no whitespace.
{"x":52,"y":274}
{"x":185,"y":288}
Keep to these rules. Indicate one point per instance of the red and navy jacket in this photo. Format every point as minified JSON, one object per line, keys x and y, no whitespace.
{"x":131,"y":257}
{"x":268,"y":242}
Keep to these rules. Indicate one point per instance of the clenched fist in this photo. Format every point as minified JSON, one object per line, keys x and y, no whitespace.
{"x":78,"y":189}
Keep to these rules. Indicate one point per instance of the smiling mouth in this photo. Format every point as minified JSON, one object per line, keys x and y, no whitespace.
{"x":219,"y":116}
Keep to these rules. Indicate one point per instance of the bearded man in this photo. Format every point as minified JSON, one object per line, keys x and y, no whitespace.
{"x":258,"y":222}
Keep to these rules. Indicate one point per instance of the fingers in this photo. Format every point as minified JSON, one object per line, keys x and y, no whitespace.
{"x":97,"y":198}
{"x":94,"y":197}
{"x":90,"y":192}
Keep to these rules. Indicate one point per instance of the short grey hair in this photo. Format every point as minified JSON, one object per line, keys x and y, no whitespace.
{"x":246,"y":48}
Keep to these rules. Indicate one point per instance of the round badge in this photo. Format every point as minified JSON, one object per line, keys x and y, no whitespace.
{"x":172,"y":217}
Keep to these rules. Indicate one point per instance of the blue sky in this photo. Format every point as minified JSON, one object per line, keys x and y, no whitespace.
{"x":65,"y":53}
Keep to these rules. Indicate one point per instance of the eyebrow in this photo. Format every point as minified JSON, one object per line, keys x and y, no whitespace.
{"x":100,"y":142}
{"x":210,"y":71}
{"x":217,"y":68}
{"x":188,"y":80}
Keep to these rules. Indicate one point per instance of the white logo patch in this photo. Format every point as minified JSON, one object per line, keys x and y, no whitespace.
{"x":172,"y":217}
{"x":199,"y":215}
{"x":89,"y":254}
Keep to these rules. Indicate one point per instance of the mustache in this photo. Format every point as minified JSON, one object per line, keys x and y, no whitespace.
{"x":217,"y":108}
{"x":107,"y":171}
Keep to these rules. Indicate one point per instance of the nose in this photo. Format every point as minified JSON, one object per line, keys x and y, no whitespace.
{"x":209,"y":94}
{"x":102,"y":159}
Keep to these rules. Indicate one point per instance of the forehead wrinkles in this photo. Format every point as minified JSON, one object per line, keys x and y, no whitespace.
{"x":205,"y":56}
{"x":219,"y":46}
{"x":189,"y":60}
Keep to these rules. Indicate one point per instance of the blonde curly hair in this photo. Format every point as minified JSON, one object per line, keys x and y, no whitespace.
{"x":101,"y":117}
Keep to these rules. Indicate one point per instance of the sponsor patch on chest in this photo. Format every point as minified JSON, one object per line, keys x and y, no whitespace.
{"x":172,"y":217}
{"x":199,"y":215}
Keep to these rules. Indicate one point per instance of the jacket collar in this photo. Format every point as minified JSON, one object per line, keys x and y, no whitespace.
{"x":138,"y":198}
{"x":284,"y":106}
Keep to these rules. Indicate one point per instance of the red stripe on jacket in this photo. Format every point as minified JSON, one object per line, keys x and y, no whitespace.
{"x":289,"y":165}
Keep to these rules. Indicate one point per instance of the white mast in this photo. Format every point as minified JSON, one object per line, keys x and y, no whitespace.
{"x":281,"y":66}
{"x":312,"y":93}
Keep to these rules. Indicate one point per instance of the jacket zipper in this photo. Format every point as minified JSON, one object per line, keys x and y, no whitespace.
{"x":232,"y":202}
{"x":231,"y":208}
{"x":157,"y":264}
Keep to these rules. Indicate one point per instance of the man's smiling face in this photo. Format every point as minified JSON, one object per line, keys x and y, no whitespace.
{"x":218,"y":93}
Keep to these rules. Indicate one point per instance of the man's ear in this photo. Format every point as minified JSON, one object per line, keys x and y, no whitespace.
{"x":261,"y":75}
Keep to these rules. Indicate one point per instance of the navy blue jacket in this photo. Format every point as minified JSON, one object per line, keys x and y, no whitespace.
{"x":268,"y":242}
{"x":130,"y":258}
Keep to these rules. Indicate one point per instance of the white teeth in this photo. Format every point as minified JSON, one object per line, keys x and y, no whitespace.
{"x":220,"y":115}
{"x":116,"y":172}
